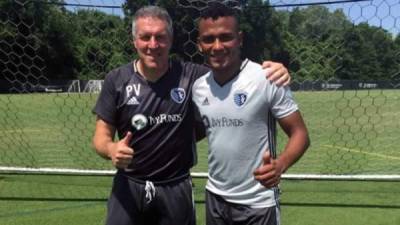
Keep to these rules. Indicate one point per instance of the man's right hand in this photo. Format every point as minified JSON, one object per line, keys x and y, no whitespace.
{"x":120,"y":153}
{"x":270,"y":172}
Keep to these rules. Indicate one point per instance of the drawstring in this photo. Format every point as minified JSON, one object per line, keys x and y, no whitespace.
{"x":150,"y":191}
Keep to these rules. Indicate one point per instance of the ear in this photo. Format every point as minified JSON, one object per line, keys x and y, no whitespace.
{"x":134,"y":43}
{"x":199,"y":47}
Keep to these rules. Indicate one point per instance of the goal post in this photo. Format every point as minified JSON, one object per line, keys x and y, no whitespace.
{"x":85,"y":86}
{"x":74,"y":87}
{"x":93,"y":86}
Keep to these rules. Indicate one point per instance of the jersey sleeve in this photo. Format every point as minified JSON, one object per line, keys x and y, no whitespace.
{"x":282,"y":102}
{"x":200,"y":129}
{"x":106,"y":105}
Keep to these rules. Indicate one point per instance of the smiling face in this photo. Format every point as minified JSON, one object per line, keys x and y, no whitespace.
{"x":220,"y":41}
{"x":152,"y":42}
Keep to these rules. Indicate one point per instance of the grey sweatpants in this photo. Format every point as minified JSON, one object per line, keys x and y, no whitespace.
{"x":141,"y":203}
{"x":221,"y":212}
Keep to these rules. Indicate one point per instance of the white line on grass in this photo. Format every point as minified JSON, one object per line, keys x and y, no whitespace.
{"x":25,"y":130}
{"x":363,"y":152}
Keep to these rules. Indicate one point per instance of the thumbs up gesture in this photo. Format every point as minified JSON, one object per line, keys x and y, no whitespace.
{"x":269,"y":173}
{"x":121,"y":154}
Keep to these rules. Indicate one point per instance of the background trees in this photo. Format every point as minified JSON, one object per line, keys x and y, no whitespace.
{"x":38,"y":34}
{"x":104,"y":43}
{"x":47,"y":39}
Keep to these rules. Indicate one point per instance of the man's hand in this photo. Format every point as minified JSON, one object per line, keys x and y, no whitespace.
{"x":269,"y":173}
{"x":277,"y":73}
{"x":120,"y":152}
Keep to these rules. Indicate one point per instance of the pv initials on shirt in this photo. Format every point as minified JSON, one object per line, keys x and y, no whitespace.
{"x":132,"y":88}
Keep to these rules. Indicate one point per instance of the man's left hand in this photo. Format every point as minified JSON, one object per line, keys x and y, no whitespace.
{"x":277,"y":73}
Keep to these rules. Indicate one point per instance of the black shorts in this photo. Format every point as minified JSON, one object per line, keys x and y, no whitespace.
{"x":140,"y":203}
{"x":221,"y":212}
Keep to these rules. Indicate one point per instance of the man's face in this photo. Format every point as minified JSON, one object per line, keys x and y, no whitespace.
{"x":152,"y":42}
{"x":219,"y":40}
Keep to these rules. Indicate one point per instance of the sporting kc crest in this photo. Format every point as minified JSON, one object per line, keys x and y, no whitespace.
{"x":178,"y":95}
{"x":240,"y":98}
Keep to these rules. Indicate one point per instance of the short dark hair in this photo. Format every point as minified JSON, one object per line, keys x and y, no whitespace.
{"x":216,"y":10}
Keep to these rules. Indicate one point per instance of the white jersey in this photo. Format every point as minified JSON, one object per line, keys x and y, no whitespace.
{"x":240,"y":124}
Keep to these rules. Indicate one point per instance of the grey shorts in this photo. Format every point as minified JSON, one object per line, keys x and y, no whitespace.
{"x":140,"y":203}
{"x":220,"y":212}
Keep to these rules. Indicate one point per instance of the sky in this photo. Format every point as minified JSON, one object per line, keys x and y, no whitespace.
{"x":380,"y":13}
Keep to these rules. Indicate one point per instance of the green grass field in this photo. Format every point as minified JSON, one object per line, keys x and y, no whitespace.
{"x":352,"y":132}
{"x":61,"y":200}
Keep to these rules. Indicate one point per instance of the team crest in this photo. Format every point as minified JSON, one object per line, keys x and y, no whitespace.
{"x":240,"y":98}
{"x":178,"y":95}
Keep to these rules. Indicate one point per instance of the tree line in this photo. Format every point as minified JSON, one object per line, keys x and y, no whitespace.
{"x":47,"y":40}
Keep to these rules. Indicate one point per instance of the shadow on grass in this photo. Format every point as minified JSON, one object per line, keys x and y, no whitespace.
{"x":297,"y":204}
{"x":30,"y":212}
{"x":60,"y":199}
{"x":336,"y":205}
{"x":330,"y":205}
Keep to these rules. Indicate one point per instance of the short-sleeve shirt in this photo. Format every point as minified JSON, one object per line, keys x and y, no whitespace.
{"x":165,"y":148}
{"x":239,"y":117}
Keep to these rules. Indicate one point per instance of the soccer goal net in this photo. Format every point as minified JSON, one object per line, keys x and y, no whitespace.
{"x":345,"y":71}
{"x":93,"y":86}
{"x":74,"y":87}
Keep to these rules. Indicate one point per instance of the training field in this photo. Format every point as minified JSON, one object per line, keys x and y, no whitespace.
{"x":352,"y":132}
{"x":51,"y":200}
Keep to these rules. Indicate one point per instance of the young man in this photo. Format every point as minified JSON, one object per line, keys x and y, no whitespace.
{"x":148,"y":103}
{"x":238,"y":107}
